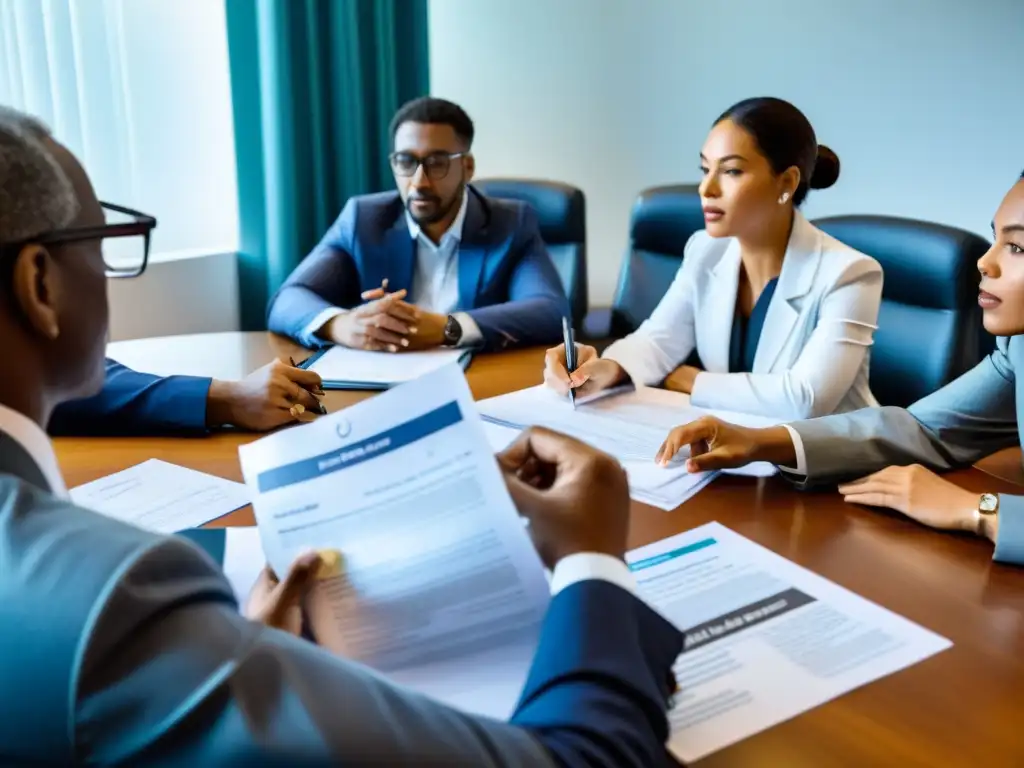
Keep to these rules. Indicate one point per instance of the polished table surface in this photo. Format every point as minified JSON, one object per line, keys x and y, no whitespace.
{"x":964,"y":706}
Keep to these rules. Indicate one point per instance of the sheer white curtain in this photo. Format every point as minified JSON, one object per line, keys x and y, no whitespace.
{"x":140,"y":91}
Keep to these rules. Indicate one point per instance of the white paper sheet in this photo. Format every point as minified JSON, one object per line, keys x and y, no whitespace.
{"x":162,"y":497}
{"x":499,"y":437}
{"x":381,"y":368}
{"x":439,"y":586}
{"x":764,"y":638}
{"x":631,"y":426}
{"x":243,"y":560}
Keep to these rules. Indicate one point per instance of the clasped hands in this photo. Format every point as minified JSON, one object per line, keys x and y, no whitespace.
{"x":386,"y":323}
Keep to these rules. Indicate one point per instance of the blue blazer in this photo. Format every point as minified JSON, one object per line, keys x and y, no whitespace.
{"x":507,"y":281}
{"x":139,"y":656}
{"x":133,"y":403}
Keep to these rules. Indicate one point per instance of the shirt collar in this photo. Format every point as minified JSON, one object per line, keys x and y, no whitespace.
{"x":454,"y":231}
{"x":36,"y":443}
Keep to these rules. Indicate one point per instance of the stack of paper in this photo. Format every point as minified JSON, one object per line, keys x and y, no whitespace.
{"x":631,"y":426}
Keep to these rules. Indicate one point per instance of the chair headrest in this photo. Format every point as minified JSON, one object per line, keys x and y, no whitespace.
{"x":925,"y":264}
{"x":664,"y":218}
{"x":560,"y":208}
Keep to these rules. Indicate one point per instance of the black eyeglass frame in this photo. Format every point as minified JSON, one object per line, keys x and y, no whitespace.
{"x":448,"y":156}
{"x":142,"y":226}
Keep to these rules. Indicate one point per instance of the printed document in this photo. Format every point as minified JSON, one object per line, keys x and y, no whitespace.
{"x":437,"y":583}
{"x":764,"y":638}
{"x":631,"y":426}
{"x":359,"y":366}
{"x":162,"y":497}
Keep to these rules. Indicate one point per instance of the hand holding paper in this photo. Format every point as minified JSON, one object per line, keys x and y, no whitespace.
{"x":278,"y":603}
{"x":437,"y":569}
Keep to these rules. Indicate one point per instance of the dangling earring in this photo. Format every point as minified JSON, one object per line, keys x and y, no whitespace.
{"x":784,"y":198}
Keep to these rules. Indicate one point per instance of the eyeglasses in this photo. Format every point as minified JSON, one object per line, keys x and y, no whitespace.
{"x":435,"y":165}
{"x":125,"y":242}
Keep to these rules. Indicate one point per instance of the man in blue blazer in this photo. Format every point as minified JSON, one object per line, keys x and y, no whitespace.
{"x":134,"y":403}
{"x":439,"y":263}
{"x":888,"y":457}
{"x":125,"y":647}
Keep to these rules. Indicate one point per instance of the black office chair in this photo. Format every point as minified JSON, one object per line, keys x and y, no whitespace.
{"x":561,"y":212}
{"x":662,"y":221}
{"x":928,"y":325}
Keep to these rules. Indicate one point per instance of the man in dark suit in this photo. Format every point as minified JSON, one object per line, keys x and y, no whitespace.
{"x":439,"y":263}
{"x":128,"y":648}
{"x":134,"y":403}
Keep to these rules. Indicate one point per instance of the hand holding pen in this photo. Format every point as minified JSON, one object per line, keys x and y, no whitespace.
{"x":276,"y":394}
{"x":588,"y":374}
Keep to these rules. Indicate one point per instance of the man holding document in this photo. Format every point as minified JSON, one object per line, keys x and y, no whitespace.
{"x":130,"y":646}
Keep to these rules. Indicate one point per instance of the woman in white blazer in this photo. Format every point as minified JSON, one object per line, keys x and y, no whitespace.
{"x":781,"y":314}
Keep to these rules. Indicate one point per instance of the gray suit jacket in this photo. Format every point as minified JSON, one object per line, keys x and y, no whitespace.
{"x":123,"y":647}
{"x":968,"y":419}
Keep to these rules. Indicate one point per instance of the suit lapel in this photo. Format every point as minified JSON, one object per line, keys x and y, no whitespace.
{"x":719,"y":310}
{"x":395,"y":260}
{"x":15,"y":460}
{"x":799,"y":268}
{"x":473,"y":250}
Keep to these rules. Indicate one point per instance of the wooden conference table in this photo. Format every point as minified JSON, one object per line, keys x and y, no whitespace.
{"x":964,"y":706}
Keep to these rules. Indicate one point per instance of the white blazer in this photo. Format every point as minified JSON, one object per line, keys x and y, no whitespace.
{"x":812,"y":356}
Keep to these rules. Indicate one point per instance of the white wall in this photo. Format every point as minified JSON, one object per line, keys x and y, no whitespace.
{"x":140,"y":91}
{"x":921,"y":99}
{"x":184,"y":295}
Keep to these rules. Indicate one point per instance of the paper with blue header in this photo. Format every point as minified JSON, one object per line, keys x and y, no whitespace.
{"x":438,"y":584}
{"x":763,"y":639}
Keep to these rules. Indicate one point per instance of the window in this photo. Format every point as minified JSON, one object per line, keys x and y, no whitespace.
{"x":139,"y":90}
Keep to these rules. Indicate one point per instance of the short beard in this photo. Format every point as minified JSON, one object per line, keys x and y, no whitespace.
{"x":442,"y":211}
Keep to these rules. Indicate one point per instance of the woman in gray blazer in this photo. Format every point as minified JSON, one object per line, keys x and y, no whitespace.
{"x":781,"y":314}
{"x":888,"y":457}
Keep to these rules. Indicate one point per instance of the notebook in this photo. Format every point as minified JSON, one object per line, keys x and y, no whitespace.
{"x":344,"y":368}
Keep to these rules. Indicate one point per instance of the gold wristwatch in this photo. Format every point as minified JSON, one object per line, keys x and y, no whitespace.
{"x":988,"y":508}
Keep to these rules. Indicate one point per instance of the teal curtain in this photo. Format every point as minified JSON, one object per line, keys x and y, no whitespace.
{"x":314,"y":85}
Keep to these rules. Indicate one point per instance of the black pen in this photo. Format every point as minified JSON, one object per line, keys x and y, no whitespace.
{"x":320,"y":406}
{"x":570,"y":355}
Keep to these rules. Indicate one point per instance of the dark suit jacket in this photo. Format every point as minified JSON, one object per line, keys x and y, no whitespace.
{"x":507,"y":281}
{"x":133,"y":403}
{"x":123,"y":647}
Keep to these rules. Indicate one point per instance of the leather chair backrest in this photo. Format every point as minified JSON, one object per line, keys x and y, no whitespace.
{"x":663,"y":219}
{"x":929,"y":325}
{"x":561,"y":212}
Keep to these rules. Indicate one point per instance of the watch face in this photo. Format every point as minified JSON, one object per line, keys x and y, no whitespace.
{"x":452,"y":331}
{"x":989,"y":503}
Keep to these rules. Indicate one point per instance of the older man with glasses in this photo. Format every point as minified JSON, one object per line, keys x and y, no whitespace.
{"x":434,"y":264}
{"x":133,"y":403}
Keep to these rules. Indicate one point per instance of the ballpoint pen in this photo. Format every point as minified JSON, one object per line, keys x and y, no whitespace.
{"x":570,"y":355}
{"x":315,"y":393}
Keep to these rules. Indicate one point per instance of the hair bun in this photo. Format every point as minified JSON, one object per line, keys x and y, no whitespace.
{"x":826,"y":169}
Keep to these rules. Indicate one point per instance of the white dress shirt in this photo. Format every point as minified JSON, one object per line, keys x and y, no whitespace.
{"x":798,"y":449}
{"x":591,"y":565}
{"x":435,"y":280}
{"x":36,"y":443}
